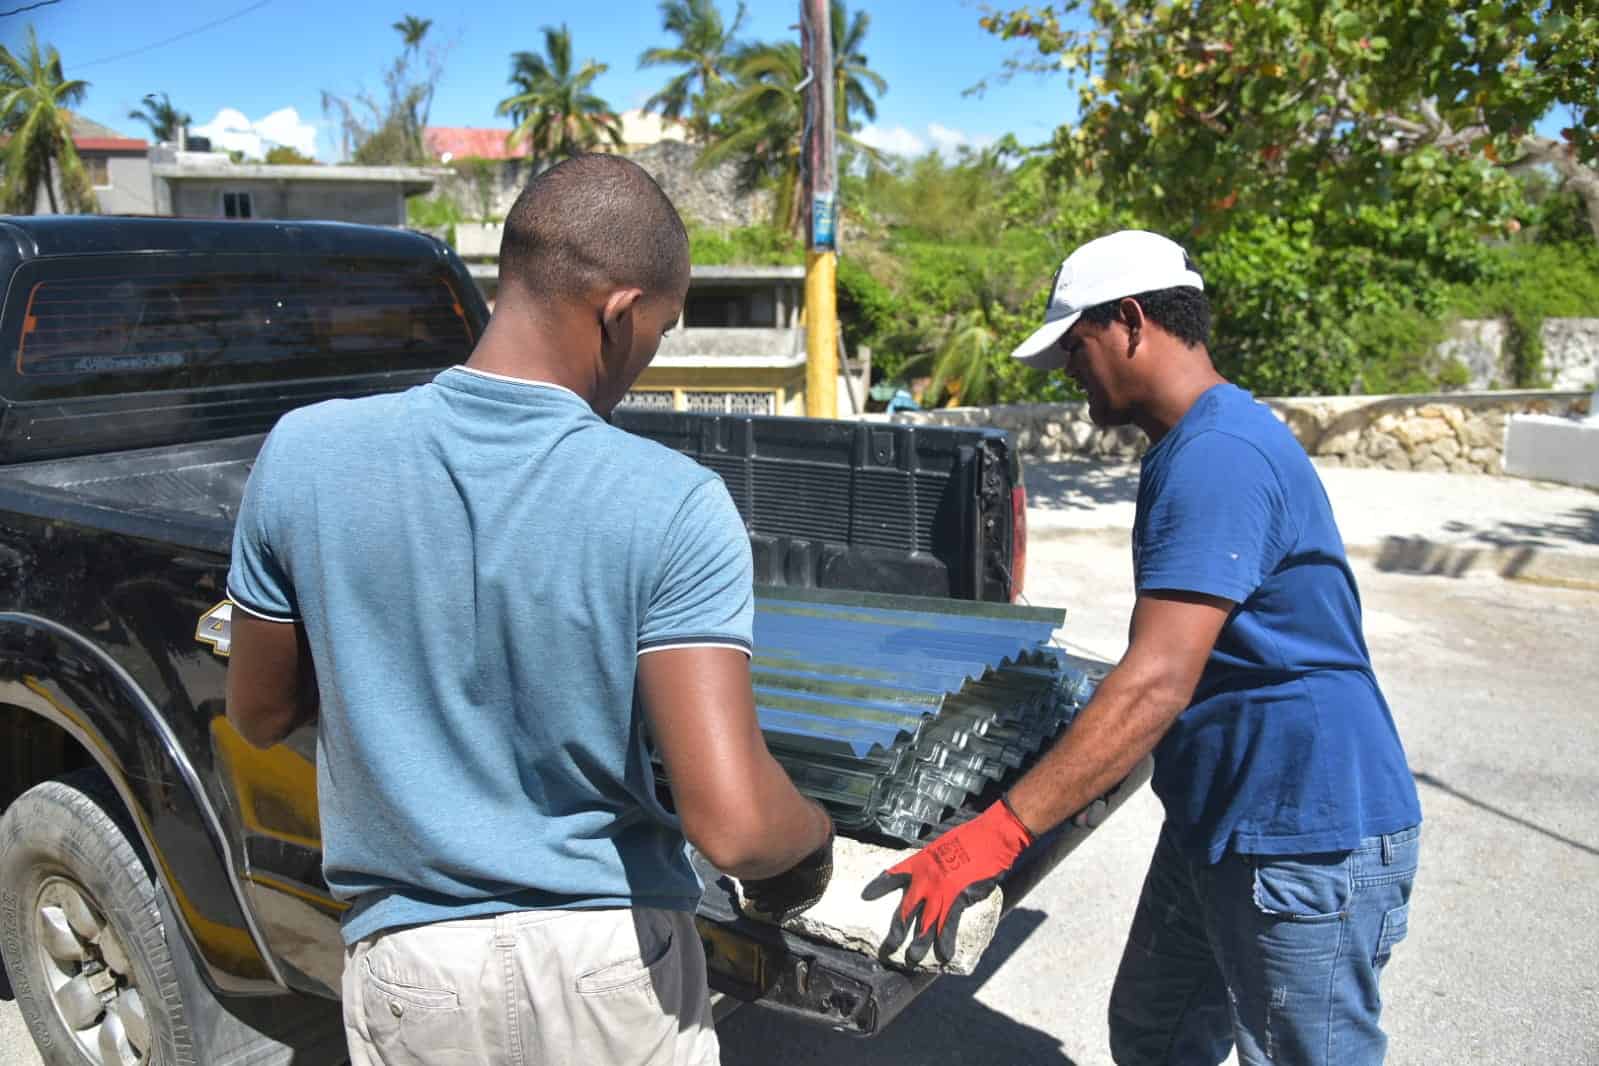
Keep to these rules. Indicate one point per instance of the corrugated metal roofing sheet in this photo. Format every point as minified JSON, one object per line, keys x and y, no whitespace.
{"x":903,"y":714}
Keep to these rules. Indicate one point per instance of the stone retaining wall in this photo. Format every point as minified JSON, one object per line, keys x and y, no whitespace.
{"x":1457,"y":432}
{"x":1570,"y":352}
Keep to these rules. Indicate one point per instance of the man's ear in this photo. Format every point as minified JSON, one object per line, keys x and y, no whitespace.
{"x":1132,"y":317}
{"x":616,"y":317}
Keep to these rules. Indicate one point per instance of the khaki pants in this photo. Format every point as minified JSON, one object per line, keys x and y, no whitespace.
{"x":533,"y":988}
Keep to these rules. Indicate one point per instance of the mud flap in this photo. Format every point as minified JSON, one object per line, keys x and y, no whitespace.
{"x":252,"y":1030}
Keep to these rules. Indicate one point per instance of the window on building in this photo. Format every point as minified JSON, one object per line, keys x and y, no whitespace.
{"x":99,"y":168}
{"x":730,"y":306}
{"x":237,"y":205}
{"x":752,"y":402}
{"x":648,"y":400}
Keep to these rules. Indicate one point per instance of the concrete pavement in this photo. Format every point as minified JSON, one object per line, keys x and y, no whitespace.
{"x":1406,"y":522}
{"x":1493,"y":685}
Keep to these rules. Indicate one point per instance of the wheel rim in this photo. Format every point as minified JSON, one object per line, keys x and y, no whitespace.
{"x":90,"y":977}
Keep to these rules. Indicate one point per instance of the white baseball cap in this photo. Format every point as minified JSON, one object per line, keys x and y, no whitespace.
{"x":1124,"y":263}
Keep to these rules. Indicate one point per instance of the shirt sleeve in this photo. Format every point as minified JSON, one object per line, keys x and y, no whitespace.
{"x":258,"y":580}
{"x":705,"y":591}
{"x":1215,"y":525}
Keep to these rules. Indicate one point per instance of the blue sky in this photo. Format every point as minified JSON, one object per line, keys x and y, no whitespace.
{"x":282,"y":53}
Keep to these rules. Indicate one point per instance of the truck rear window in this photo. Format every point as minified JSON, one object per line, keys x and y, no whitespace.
{"x":196,"y":320}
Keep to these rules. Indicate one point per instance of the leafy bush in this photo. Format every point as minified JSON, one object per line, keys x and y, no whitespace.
{"x":754,"y":245}
{"x":438,"y":214}
{"x":1528,"y":283}
{"x":1347,"y":291}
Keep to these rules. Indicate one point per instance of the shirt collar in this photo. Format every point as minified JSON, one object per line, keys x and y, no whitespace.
{"x":519,"y":381}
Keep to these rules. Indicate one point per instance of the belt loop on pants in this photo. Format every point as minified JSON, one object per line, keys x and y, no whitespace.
{"x":1387,"y":849}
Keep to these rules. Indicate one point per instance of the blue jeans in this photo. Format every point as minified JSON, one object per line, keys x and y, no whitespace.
{"x":1280,"y":954}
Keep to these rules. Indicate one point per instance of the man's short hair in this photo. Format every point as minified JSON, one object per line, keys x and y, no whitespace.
{"x":1184,"y":312}
{"x":593,"y":221}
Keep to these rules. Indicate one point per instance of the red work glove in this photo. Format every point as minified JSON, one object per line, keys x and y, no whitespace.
{"x":957,"y":869}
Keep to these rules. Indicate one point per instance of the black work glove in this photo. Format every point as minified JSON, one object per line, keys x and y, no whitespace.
{"x":776,"y":899}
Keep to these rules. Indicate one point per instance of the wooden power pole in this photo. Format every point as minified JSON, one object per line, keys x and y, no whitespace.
{"x":821,"y":214}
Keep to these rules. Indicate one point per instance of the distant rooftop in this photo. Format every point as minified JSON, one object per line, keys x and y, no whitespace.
{"x":639,"y":128}
{"x":88,"y":135}
{"x":462,"y":142}
{"x":217,"y":166}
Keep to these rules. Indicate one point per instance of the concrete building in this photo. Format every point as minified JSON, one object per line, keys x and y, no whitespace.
{"x":118,"y":168}
{"x":131,"y":177}
{"x":740,"y":348}
{"x":210,"y":185}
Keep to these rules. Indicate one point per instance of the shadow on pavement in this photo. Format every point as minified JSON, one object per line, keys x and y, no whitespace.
{"x":1418,"y":555}
{"x":1080,"y":483}
{"x":1580,"y":525}
{"x":946,"y":1025}
{"x":1433,"y":782}
{"x":6,"y":995}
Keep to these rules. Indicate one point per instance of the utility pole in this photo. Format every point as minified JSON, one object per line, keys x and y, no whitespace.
{"x":821,"y":214}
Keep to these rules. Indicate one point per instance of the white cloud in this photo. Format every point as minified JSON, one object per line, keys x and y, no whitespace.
{"x":895,"y":141}
{"x":948,"y":140}
{"x":231,"y":130}
{"x":942,"y":139}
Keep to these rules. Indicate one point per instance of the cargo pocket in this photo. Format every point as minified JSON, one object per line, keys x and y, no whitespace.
{"x":1311,"y":889}
{"x":1395,"y":924}
{"x":414,"y":1024}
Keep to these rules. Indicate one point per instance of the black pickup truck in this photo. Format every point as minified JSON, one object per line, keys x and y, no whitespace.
{"x":161,"y":898}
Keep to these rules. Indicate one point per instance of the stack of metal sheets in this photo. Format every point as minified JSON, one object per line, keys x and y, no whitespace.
{"x":906,"y":715}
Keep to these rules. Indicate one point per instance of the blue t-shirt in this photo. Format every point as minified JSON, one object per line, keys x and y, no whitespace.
{"x":1288,"y":746}
{"x":479,"y":562}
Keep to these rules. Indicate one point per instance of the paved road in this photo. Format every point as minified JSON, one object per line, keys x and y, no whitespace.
{"x":1493,"y":685}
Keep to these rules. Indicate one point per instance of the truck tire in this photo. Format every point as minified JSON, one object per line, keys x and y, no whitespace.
{"x":82,"y":933}
{"x":82,"y":930}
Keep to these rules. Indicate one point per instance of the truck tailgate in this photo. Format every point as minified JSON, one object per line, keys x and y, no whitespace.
{"x":830,"y":985}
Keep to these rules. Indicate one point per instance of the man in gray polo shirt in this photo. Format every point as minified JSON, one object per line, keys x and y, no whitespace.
{"x":483,"y":574}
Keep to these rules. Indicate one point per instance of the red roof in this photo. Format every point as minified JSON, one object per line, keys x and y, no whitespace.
{"x":463,"y":141}
{"x":110,"y":144}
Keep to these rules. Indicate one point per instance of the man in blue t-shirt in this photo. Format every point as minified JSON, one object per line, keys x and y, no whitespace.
{"x":1281,"y":880}
{"x":488,"y":598}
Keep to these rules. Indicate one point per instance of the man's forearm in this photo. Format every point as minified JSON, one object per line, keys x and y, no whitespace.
{"x":1128,"y":715}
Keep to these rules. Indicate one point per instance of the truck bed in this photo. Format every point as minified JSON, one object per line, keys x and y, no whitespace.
{"x":183,"y":493}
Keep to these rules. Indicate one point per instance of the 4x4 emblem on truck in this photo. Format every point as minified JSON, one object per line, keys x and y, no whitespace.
{"x":216,"y":628}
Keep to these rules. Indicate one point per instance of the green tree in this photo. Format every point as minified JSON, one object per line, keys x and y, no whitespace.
{"x":706,"y":47}
{"x":286,"y":155}
{"x":34,"y":98}
{"x":763,"y":127}
{"x":1191,"y":108}
{"x":854,"y":81}
{"x":554,"y":107}
{"x":765,"y":119}
{"x":411,"y":30}
{"x":164,"y":120}
{"x":389,"y":131}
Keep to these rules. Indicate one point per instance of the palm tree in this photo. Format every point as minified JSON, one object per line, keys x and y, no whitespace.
{"x":766,"y":120}
{"x":705,"y":45}
{"x":851,"y":76}
{"x":34,"y":97}
{"x":412,"y":30}
{"x":553,"y":107}
{"x":163,"y":119}
{"x":964,"y":363}
{"x":764,"y":128}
